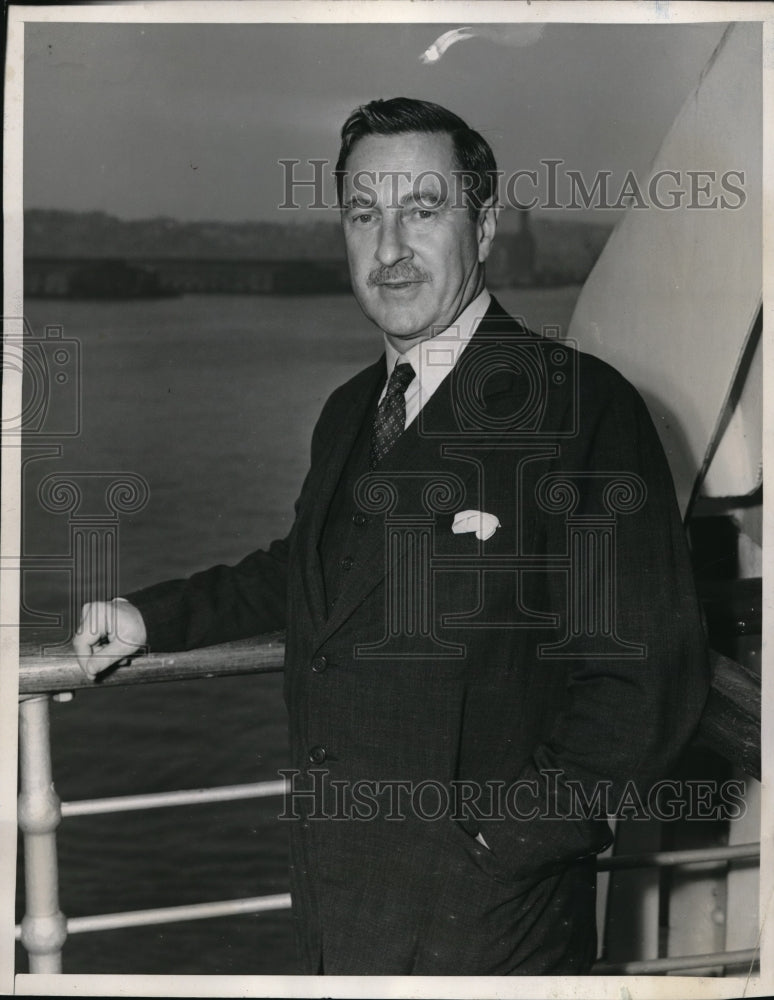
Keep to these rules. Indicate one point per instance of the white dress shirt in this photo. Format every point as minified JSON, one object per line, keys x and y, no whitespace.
{"x":434,"y":358}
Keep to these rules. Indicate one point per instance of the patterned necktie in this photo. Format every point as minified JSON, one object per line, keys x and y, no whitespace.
{"x":390,"y":419}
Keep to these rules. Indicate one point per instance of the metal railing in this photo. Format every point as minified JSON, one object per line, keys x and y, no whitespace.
{"x":45,"y":928}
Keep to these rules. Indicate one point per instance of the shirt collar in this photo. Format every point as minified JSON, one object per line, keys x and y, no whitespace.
{"x":434,"y":358}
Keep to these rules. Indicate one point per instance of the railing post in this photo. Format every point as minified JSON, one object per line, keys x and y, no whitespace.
{"x":44,"y":928}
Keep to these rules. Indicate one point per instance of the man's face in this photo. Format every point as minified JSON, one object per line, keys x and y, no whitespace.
{"x":415,"y":250}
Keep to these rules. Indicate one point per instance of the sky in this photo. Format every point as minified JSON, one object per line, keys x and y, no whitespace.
{"x":190,"y":121}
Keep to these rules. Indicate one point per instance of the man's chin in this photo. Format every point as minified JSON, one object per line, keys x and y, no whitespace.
{"x":404,"y":328}
{"x":405,"y":333}
{"x":403,"y":341}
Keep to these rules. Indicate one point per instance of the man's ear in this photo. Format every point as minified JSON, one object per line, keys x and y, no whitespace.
{"x":486,"y":226}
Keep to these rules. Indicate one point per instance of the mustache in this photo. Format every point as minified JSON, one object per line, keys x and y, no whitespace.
{"x":400,"y":272}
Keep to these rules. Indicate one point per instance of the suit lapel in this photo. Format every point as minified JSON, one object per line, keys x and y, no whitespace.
{"x":324,"y":478}
{"x":402,"y":470}
{"x":415,"y":458}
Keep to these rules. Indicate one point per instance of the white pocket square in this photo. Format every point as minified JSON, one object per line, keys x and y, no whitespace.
{"x":484,"y":525}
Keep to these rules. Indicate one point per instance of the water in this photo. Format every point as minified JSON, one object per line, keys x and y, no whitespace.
{"x":211,"y":399}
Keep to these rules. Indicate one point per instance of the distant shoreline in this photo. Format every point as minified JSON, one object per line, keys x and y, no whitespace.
{"x":96,"y":255}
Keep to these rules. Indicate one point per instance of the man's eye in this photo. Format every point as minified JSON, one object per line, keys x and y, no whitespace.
{"x":363,"y":217}
{"x":424,"y":213}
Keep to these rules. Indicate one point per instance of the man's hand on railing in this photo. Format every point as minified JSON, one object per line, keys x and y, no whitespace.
{"x":109,"y":631}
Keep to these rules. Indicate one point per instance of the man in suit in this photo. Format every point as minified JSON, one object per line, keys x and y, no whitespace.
{"x":492,"y":632}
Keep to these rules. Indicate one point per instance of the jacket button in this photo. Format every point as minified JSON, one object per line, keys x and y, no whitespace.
{"x":319,"y":663}
{"x":317,"y":755}
{"x":346,"y":563}
{"x":359,"y":519}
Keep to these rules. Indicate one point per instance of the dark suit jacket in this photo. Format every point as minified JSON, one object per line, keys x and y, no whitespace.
{"x":561,"y":657}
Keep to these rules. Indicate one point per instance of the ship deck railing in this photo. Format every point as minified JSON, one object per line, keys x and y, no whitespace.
{"x":731,"y":725}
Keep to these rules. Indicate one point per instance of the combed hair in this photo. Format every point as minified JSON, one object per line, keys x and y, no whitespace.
{"x":398,"y":115}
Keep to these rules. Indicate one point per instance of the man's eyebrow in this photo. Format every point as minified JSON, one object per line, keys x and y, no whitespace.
{"x":358,"y":201}
{"x":427,"y":197}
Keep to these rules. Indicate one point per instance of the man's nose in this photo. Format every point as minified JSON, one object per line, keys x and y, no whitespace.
{"x":392,"y":246}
